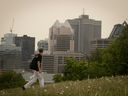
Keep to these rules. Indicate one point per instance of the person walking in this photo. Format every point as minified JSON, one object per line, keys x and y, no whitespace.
{"x":36,"y":66}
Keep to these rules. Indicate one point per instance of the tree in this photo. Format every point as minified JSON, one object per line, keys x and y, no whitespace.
{"x":116,"y":55}
{"x":75,"y":70}
{"x":11,"y":79}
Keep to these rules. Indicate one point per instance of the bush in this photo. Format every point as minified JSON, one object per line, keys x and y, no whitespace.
{"x":11,"y":79}
{"x":75,"y":70}
{"x":58,"y":78}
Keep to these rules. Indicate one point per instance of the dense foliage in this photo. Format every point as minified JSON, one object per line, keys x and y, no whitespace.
{"x":116,"y":55}
{"x":11,"y":80}
{"x":75,"y":70}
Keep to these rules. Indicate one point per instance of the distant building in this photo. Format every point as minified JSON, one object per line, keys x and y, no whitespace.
{"x":103,"y":43}
{"x":54,"y":63}
{"x":43,"y":44}
{"x":10,"y":57}
{"x":48,"y":63}
{"x":85,"y":30}
{"x":10,"y":54}
{"x":100,"y":44}
{"x":60,"y":59}
{"x":61,"y":37}
{"x":8,"y":39}
{"x":27,"y":45}
{"x":70,"y":39}
{"x":117,"y":30}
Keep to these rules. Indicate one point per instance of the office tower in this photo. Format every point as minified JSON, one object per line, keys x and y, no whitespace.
{"x":27,"y":45}
{"x":48,"y":63}
{"x":85,"y":30}
{"x":10,"y":54}
{"x":100,"y":44}
{"x":61,"y":37}
{"x":117,"y":30}
{"x":10,"y":57}
{"x":54,"y":63}
{"x":43,"y":44}
{"x":103,"y":43}
{"x":8,"y":39}
{"x":60,"y":60}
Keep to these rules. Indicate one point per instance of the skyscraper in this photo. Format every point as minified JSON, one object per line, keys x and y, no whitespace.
{"x":10,"y":57}
{"x":10,"y":54}
{"x":61,"y":37}
{"x":8,"y":39}
{"x":27,"y":45}
{"x":43,"y":44}
{"x":117,"y":30}
{"x":85,"y":30}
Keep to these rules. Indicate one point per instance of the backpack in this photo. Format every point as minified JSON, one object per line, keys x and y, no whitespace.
{"x":33,"y":64}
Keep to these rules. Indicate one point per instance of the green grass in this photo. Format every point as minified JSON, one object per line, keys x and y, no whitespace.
{"x":105,"y":86}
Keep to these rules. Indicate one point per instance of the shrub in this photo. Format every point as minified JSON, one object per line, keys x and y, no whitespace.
{"x":11,"y":79}
{"x":58,"y":78}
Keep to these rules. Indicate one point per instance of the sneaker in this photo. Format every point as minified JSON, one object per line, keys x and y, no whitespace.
{"x":23,"y":88}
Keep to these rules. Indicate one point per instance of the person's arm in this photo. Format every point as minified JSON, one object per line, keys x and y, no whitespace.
{"x":39,"y":66}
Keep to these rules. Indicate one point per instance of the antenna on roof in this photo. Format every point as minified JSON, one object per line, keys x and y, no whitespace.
{"x":11,"y":29}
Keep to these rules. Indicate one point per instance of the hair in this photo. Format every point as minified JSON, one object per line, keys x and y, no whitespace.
{"x":40,"y":50}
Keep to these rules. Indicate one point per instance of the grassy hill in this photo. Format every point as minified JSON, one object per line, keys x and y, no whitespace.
{"x":105,"y":86}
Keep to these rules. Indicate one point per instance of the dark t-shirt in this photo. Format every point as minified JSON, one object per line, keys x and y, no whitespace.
{"x":34,"y":63}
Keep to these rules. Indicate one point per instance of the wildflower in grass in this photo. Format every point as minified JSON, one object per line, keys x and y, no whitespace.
{"x":45,"y":90}
{"x":88,"y":90}
{"x":3,"y":92}
{"x":107,"y":79}
{"x":33,"y":87}
{"x":62,"y":92}
{"x":102,"y":78}
{"x":89,"y":87}
{"x":96,"y":94}
{"x":53,"y":85}
{"x":66,"y":87}
{"x":70,"y":84}
{"x":99,"y":88}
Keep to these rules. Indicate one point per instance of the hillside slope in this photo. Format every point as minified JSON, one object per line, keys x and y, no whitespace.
{"x":105,"y":86}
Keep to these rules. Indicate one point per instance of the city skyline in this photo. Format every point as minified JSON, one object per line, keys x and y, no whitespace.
{"x":35,"y":17}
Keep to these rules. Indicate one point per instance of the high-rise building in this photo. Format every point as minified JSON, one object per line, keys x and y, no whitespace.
{"x":117,"y":30}
{"x":10,"y":54}
{"x":10,"y":57}
{"x":100,"y":44}
{"x":27,"y":45}
{"x":61,"y":37}
{"x":60,"y":60}
{"x":71,"y":39}
{"x":85,"y":30}
{"x":43,"y":44}
{"x":48,"y":63}
{"x":8,"y":39}
{"x":54,"y":63}
{"x":103,"y":43}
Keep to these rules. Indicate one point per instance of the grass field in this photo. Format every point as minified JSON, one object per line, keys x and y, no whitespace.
{"x":105,"y":86}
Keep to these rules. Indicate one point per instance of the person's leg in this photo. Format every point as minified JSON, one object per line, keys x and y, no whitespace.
{"x":41,"y":79}
{"x":32,"y":80}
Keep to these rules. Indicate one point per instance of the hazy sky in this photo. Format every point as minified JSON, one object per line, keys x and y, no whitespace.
{"x":35,"y":17}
